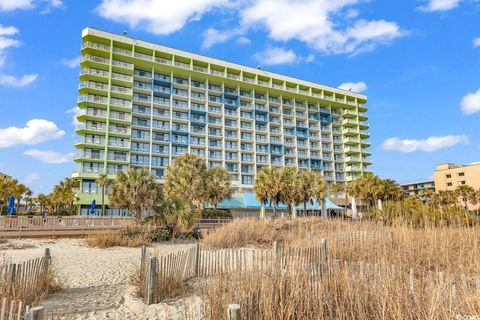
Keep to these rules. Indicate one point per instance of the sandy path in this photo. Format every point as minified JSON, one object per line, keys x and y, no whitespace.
{"x":96,"y":281}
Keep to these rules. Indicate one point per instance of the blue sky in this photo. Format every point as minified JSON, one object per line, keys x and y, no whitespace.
{"x":418,"y":61}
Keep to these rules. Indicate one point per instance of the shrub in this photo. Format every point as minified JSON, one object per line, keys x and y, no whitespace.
{"x":216,"y":213}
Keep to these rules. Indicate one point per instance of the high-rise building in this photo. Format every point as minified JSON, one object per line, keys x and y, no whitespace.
{"x":143,"y":104}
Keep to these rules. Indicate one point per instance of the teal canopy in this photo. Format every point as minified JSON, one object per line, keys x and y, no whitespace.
{"x":248,"y":201}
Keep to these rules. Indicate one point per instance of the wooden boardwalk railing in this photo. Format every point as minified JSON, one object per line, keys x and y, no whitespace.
{"x":24,"y":226}
{"x":73,"y":225}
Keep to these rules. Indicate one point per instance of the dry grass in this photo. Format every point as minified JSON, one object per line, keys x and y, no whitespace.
{"x":442,"y":248}
{"x":340,"y":295}
{"x":167,"y":287}
{"x":114,"y":239}
{"x":345,"y":294}
{"x":48,"y":282}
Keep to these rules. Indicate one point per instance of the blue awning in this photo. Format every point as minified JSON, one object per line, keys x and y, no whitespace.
{"x":248,"y":201}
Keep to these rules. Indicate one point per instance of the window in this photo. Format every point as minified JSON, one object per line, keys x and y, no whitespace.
{"x":449,"y":184}
{"x":461,"y":174}
{"x":448,"y":176}
{"x":461,"y":183}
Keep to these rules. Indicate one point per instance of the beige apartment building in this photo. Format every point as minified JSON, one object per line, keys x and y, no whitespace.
{"x":449,"y":176}
{"x":4,"y":176}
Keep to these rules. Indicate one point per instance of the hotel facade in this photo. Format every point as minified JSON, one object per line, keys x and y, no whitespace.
{"x":143,"y":104}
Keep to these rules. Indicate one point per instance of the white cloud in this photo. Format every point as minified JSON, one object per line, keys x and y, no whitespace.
{"x":310,"y":58}
{"x":318,"y":24}
{"x":213,"y":36}
{"x":31,"y":177}
{"x":7,"y":42}
{"x":36,"y":131}
{"x":12,"y":5}
{"x":17,"y":82}
{"x":428,"y":145}
{"x":439,"y":5}
{"x":357,"y":87}
{"x":158,"y":17}
{"x":471,"y":103}
{"x":276,"y":56}
{"x":476,"y":42}
{"x":75,"y":111}
{"x":48,"y":156}
{"x":71,"y":63}
{"x":329,"y":26}
{"x":243,"y":40}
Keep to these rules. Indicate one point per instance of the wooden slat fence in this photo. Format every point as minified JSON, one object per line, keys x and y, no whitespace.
{"x":19,"y":286}
{"x":205,"y":262}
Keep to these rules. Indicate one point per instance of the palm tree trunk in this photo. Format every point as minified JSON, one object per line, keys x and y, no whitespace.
{"x":305,"y":209}
{"x":103,"y":201}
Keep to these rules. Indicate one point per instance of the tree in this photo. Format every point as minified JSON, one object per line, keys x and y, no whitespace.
{"x":218,"y":185}
{"x":267,"y":187}
{"x":288,"y":188}
{"x":103,"y":182}
{"x":44,"y":201}
{"x":466,"y":194}
{"x":320,"y":189}
{"x":177,"y":214}
{"x":426,"y":195}
{"x":390,"y":190}
{"x":137,"y":191}
{"x":306,"y":185}
{"x":186,"y":178}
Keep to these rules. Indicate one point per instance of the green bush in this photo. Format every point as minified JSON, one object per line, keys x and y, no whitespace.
{"x":216,"y":213}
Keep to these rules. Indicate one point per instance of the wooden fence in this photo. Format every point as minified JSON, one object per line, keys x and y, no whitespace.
{"x":20,"y":284}
{"x":158,"y":270}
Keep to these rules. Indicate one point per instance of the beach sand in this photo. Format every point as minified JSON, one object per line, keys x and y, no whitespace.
{"x":96,"y":281}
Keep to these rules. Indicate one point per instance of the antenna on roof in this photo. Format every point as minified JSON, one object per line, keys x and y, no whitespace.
{"x":125,"y":33}
{"x":259,"y":67}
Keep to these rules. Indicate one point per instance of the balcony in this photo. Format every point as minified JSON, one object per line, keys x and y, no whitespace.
{"x":121,"y":51}
{"x":143,"y":56}
{"x":122,"y":64}
{"x":163,"y":61}
{"x":181,"y":65}
{"x":95,"y":45}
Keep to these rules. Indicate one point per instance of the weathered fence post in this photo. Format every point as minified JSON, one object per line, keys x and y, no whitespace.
{"x":37,"y":313}
{"x":275,"y":251}
{"x":142,"y":261}
{"x":453,"y":288}
{"x":323,"y":248}
{"x":233,"y":312}
{"x":197,"y":259}
{"x":13,"y":272}
{"x":151,"y":280}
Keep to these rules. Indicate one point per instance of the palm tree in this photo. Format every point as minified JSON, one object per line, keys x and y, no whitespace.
{"x":43,"y":201}
{"x":426,"y":195}
{"x":390,"y":190}
{"x":320,"y":189}
{"x":305,"y":188}
{"x":186,"y":178}
{"x":19,"y":191}
{"x":219,"y":185}
{"x":176,"y":212}
{"x":137,"y":191}
{"x":103,"y":182}
{"x":466,"y":194}
{"x":267,"y":187}
{"x":288,"y":185}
